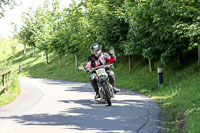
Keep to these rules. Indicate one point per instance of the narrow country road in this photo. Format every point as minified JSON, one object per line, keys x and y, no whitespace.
{"x":54,"y":106}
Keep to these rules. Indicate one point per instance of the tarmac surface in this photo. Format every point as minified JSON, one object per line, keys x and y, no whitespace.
{"x":55,"y":106}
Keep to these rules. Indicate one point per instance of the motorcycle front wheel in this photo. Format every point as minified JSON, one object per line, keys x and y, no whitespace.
{"x":107,"y":94}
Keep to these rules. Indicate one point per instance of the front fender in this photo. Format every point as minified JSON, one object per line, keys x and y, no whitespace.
{"x":103,"y":79}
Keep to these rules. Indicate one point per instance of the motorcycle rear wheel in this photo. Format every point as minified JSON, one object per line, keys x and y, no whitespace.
{"x":107,"y":94}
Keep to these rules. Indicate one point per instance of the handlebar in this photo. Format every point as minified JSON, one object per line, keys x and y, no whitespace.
{"x":103,"y":66}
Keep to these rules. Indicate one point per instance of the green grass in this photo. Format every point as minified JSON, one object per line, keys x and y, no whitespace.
{"x":178,"y":97}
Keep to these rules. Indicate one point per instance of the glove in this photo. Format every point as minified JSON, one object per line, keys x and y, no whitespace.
{"x":112,"y":52}
{"x":87,"y":70}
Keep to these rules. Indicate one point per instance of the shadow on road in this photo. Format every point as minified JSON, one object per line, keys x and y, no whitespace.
{"x":126,"y":116}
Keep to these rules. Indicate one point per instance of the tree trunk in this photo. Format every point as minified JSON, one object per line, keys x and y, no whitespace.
{"x":42,"y":55}
{"x":151,"y":65}
{"x":60,"y":61}
{"x":47,"y":57}
{"x":199,"y":54}
{"x":24,"y":49}
{"x":130,"y":63}
{"x":33,"y":51}
{"x":76,"y":59}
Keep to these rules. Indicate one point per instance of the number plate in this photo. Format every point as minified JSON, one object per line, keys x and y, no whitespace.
{"x":101,"y":71}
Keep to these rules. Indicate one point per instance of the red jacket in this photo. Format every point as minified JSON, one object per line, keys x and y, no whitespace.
{"x":103,"y":58}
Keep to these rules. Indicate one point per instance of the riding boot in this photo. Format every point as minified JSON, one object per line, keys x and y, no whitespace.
{"x":112,"y":81}
{"x":115,"y":89}
{"x":95,"y":87}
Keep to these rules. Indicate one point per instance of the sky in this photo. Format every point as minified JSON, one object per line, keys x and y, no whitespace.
{"x":14,"y":15}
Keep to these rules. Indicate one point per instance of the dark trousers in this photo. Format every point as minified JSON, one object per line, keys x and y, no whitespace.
{"x":111,"y":76}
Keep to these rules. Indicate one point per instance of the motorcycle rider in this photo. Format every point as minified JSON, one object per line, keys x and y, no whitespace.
{"x":98,"y":58}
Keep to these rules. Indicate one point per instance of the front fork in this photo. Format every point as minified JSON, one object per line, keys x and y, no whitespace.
{"x":109,"y":86}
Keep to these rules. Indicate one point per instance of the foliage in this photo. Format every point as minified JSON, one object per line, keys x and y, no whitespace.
{"x":107,"y":22}
{"x":189,"y":25}
{"x":44,"y":19}
{"x":4,"y":3}
{"x":27,"y":34}
{"x":155,"y":28}
{"x":75,"y":30}
{"x":58,"y":39}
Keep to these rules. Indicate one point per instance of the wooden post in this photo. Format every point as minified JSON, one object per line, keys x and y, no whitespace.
{"x":4,"y":82}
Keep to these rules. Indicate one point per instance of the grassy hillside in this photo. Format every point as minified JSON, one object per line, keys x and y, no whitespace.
{"x":178,"y":97}
{"x":8,"y":48}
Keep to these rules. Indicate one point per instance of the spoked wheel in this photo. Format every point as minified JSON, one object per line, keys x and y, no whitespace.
{"x":111,"y":90}
{"x":107,"y":94}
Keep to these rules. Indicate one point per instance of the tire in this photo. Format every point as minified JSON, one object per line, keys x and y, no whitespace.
{"x":111,"y":90}
{"x":107,"y":95}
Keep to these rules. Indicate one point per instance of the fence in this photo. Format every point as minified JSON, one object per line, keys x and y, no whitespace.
{"x":5,"y":80}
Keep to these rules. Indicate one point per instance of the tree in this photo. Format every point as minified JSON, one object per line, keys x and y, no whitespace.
{"x":60,"y":36}
{"x":189,"y":24}
{"x":44,"y":22}
{"x":28,"y":31}
{"x":3,"y":4}
{"x":151,"y":32}
{"x":108,"y":22}
{"x":75,"y":30}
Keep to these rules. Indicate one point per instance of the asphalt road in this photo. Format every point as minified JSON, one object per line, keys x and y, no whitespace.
{"x":52,"y":106}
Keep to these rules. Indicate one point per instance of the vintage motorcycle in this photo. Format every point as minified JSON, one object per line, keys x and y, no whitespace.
{"x":105,"y":88}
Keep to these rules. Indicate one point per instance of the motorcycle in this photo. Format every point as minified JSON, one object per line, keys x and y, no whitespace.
{"x":105,"y":88}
